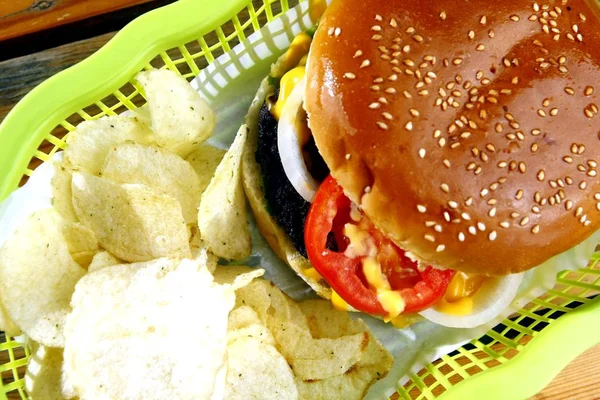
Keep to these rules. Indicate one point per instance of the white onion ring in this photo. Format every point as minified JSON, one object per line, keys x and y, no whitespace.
{"x":494,"y":296}
{"x":290,"y":148}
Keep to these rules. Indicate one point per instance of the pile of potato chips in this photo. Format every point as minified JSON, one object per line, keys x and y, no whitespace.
{"x":117,"y":287}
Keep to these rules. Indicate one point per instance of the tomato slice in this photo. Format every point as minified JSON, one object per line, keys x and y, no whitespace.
{"x":329,"y":213}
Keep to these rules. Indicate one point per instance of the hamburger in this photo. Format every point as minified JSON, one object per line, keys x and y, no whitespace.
{"x":417,"y":157}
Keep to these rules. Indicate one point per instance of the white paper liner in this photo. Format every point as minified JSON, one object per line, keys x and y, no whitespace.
{"x":229,"y":85}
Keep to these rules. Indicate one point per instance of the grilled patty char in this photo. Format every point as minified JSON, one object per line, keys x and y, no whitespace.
{"x":284,"y":203}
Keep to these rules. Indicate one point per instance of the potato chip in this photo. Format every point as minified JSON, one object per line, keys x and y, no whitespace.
{"x":103,"y":259}
{"x":131,"y":221}
{"x":62,"y":198}
{"x":201,"y":253}
{"x":82,"y":243}
{"x":181,"y":119}
{"x":352,"y":385}
{"x":43,"y":374}
{"x":238,"y":276}
{"x":257,"y":371}
{"x":244,"y":322}
{"x":205,"y":159}
{"x":327,"y":322}
{"x":270,"y":303}
{"x":88,"y":145}
{"x":6,"y":323}
{"x":122,"y":335}
{"x":222,"y":215}
{"x":37,"y":278}
{"x":160,"y":170}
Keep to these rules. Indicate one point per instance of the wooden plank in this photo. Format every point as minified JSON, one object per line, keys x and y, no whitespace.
{"x":20,"y":75}
{"x":20,"y":17}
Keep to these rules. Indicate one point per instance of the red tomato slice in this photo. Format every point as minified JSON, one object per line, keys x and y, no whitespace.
{"x":329,"y":212}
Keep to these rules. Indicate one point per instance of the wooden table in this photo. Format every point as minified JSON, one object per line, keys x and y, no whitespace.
{"x":19,"y":74}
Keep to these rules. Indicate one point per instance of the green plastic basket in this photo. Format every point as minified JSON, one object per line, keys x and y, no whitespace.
{"x":513,"y":361}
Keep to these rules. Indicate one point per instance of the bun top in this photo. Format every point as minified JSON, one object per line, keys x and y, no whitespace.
{"x":467,"y":131}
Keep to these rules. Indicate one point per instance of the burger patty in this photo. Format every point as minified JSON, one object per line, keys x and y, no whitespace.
{"x":284,"y":203}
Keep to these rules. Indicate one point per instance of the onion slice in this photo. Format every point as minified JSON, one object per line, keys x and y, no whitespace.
{"x":290,"y":146}
{"x":493,"y":297}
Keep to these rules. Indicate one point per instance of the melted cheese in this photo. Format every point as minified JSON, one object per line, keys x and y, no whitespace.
{"x":372,"y":270}
{"x":287,"y":84}
{"x":313,"y":274}
{"x":339,"y":303}
{"x":316,"y":8}
{"x":462,"y":306}
{"x":392,"y":302}
{"x":458,"y":299}
{"x":361,"y":243}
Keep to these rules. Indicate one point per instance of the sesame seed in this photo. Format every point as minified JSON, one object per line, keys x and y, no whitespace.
{"x":418,"y":38}
{"x":492,"y":212}
{"x":393,"y":23}
{"x":579,"y":211}
{"x":554,"y":112}
{"x":390,"y":90}
{"x":492,"y":236}
{"x":472,"y":230}
{"x":429,"y":237}
{"x":588,"y":90}
{"x":387,"y":115}
{"x":438,"y":228}
{"x":445,"y":188}
{"x":409,"y":126}
{"x":443,"y":15}
{"x":522,"y":167}
{"x":330,"y":31}
{"x":382,"y":125}
{"x":481,"y":226}
{"x":534,"y":147}
{"x":568,"y":205}
{"x":446,"y":163}
{"x":514,"y":18}
{"x":413,"y":112}
{"x":440,"y":248}
{"x":365,"y":63}
{"x":374,"y":105}
{"x":483,"y":20}
{"x":536,"y":209}
{"x":337,"y":32}
{"x":535,"y":229}
{"x":442,"y":142}
{"x":541,"y":175}
{"x":376,"y":37}
{"x":524,"y":221}
{"x":563,"y":69}
{"x":422,"y":153}
{"x":423,"y":92}
{"x":368,"y":189}
{"x":541,"y":113}
{"x":453,"y":204}
{"x":349,"y":75}
{"x":378,"y":17}
{"x":569,"y":90}
{"x":457,"y":61}
{"x":358,"y":53}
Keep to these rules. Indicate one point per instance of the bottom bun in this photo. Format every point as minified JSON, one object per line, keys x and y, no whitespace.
{"x":277,"y":238}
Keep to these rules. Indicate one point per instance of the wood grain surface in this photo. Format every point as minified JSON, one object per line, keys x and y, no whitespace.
{"x":578,"y":381}
{"x":20,"y":17}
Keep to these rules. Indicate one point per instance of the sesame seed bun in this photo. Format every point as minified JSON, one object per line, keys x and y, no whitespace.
{"x":466,"y":131}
